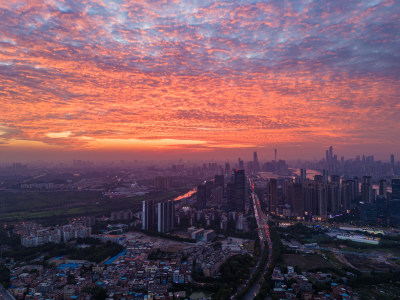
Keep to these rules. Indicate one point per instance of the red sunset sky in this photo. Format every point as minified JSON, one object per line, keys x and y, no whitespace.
{"x":198,"y":79}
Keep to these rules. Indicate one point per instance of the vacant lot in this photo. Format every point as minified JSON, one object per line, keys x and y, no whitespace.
{"x":58,"y":205}
{"x":364,"y":264}
{"x":379,"y":291}
{"x":306,"y":262}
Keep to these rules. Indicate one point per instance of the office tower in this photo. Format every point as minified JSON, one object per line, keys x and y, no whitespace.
{"x":383,"y":188}
{"x":367,"y":195}
{"x":219,"y":180}
{"x":201,"y":196}
{"x":227,"y":168}
{"x":163,"y":183}
{"x":276,"y":154}
{"x":303,"y":175}
{"x":239,"y":181}
{"x":166,"y":214}
{"x":256,"y":164}
{"x":396,"y":188}
{"x":330,"y":153}
{"x":148,"y":215}
{"x":273,"y":194}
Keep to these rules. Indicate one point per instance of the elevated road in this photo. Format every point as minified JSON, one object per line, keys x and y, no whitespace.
{"x":264,"y":235}
{"x":4,"y":294}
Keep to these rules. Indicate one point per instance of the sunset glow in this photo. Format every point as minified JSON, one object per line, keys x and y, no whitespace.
{"x":199,"y":76}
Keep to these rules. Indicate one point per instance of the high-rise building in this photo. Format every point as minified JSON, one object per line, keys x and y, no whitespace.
{"x":163,"y":183}
{"x":201,"y":196}
{"x":394,"y":212}
{"x":382,"y":209}
{"x":357,"y":188}
{"x":240,"y":164}
{"x":303,"y":175}
{"x":392,"y":161}
{"x":227,"y":168}
{"x":219,"y":180}
{"x":367,"y":193}
{"x":396,"y":188}
{"x":383,"y":188}
{"x":321,"y":198}
{"x":325,"y":175}
{"x":334,"y":198}
{"x":345,"y":197}
{"x":148,"y":215}
{"x":239,"y":181}
{"x":273,"y":194}
{"x":256,"y":164}
{"x":166,"y":214}
{"x":298,"y":200}
{"x":276,"y":154}
{"x":368,"y":213}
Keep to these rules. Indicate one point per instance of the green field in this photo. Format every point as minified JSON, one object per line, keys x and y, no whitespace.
{"x":59,"y":205}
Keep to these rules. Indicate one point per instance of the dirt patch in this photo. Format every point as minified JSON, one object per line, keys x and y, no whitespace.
{"x":364,"y":264}
{"x":306,"y":262}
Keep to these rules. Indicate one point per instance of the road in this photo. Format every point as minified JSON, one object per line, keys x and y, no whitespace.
{"x":4,"y":294}
{"x":263,"y":232}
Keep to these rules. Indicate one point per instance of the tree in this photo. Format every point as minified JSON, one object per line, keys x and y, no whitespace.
{"x":4,"y":276}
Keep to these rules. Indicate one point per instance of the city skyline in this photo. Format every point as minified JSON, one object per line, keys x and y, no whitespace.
{"x":113,"y":80}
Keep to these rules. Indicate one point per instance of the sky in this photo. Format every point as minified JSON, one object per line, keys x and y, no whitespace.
{"x":101,"y":79}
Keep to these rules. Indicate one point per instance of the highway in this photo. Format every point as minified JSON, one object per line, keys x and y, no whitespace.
{"x":263,"y":232}
{"x":4,"y":294}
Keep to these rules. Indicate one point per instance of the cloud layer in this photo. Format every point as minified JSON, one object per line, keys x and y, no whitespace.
{"x":199,"y":74}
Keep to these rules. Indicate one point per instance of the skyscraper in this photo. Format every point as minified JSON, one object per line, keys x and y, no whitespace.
{"x":303,"y":175}
{"x":240,"y":164}
{"x":273,"y":194}
{"x":325,"y":175}
{"x":218,"y":180}
{"x":256,"y":164}
{"x":367,"y":195}
{"x":239,"y":181}
{"x":396,"y":188}
{"x":392,"y":161}
{"x":166,"y":213}
{"x":298,"y":200}
{"x":383,"y":188}
{"x":227,"y":168}
{"x":201,"y":196}
{"x":148,"y":215}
